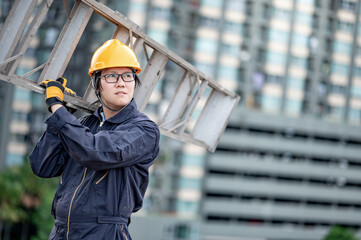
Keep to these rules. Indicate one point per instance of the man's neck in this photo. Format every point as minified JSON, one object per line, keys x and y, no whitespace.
{"x":108,"y":113}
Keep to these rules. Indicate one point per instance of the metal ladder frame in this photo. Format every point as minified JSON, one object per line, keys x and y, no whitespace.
{"x":193,"y":88}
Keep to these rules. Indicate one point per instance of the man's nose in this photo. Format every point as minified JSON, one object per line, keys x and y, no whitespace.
{"x":120,"y":82}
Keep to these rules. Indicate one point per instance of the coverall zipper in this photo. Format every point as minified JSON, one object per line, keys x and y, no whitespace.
{"x":71,"y":203}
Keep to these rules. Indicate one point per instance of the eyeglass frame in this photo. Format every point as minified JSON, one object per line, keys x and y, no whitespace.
{"x":118,"y":75}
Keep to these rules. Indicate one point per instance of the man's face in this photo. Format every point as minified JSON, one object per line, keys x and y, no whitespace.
{"x":119,"y":94}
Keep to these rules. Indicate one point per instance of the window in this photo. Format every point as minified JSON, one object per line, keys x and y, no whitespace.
{"x":228,"y":72}
{"x":192,"y":160}
{"x":159,"y":36}
{"x":345,"y":26}
{"x":270,"y":103}
{"x":14,"y":159}
{"x":190,"y":183}
{"x":354,"y":115}
{"x":296,"y":83}
{"x":341,"y":47}
{"x":347,"y":5}
{"x":160,"y":13}
{"x":209,"y":22}
{"x":357,"y":71}
{"x":274,"y":79}
{"x":300,"y":40}
{"x":299,"y":61}
{"x":335,"y":112}
{"x":356,"y":91}
{"x":281,"y":14}
{"x":206,"y":45}
{"x":278,"y":36}
{"x":230,"y":49}
{"x":293,"y":106}
{"x":22,"y":94}
{"x":233,"y":27}
{"x":337,"y":89}
{"x":274,"y":57}
{"x":304,"y":18}
{"x":213,"y":3}
{"x":206,"y":68}
{"x":187,"y":207}
{"x":236,"y":5}
{"x":309,"y":2}
{"x":137,"y":7}
{"x":339,"y":68}
{"x":20,"y":116}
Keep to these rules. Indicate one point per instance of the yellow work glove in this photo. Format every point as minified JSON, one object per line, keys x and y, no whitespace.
{"x":55,"y":91}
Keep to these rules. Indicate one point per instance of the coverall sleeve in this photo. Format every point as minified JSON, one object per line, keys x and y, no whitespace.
{"x":106,"y":149}
{"x":48,"y":157}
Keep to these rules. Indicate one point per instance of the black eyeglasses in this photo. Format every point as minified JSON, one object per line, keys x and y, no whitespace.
{"x":113,"y":78}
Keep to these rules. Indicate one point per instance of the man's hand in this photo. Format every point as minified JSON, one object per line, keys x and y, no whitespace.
{"x":55,"y":91}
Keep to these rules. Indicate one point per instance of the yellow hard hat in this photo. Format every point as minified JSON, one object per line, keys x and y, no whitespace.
{"x":113,"y":53}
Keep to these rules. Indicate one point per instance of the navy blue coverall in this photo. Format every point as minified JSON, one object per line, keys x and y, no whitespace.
{"x":103,"y":169}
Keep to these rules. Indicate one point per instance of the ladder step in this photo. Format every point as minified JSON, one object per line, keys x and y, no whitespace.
{"x":149,"y":78}
{"x":213,"y":119}
{"x":179,"y":102}
{"x":67,"y":41}
{"x":29,"y":35}
{"x":13,"y":27}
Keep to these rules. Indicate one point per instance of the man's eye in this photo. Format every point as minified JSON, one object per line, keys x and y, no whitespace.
{"x":111,"y":75}
{"x":128,"y":75}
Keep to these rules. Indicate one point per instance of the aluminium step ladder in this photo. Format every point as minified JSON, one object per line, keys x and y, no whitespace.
{"x":194,"y":88}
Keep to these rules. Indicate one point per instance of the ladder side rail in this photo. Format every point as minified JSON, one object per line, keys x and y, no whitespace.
{"x":211,"y":124}
{"x":67,"y":41}
{"x":33,"y":86}
{"x":89,"y":94}
{"x":119,"y":19}
{"x":149,"y":79}
{"x":179,"y":101}
{"x":183,"y":138}
{"x":14,"y":26}
{"x":29,"y":35}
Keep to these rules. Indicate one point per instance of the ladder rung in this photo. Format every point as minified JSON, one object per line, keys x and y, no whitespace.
{"x":149,"y":78}
{"x":213,"y":118}
{"x":192,"y":105}
{"x":178,"y":102}
{"x":67,"y":41}
{"x":122,"y":34}
{"x":14,"y":26}
{"x":89,"y":94}
{"x":30,"y":33}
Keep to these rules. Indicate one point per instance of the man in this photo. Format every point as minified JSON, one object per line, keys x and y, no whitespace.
{"x":102,"y":159}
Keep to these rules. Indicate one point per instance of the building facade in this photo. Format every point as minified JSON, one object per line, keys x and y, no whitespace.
{"x":287,"y":166}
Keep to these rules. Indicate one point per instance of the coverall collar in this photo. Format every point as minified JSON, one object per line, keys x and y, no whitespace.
{"x":120,"y":117}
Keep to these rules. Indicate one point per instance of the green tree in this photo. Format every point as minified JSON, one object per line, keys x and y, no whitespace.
{"x":26,"y":199}
{"x":340,"y":233}
{"x":10,"y":199}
